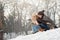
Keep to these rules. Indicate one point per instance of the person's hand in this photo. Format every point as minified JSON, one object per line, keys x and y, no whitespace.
{"x":36,"y":23}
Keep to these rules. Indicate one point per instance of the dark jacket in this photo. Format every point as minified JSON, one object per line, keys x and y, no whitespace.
{"x":50,"y":21}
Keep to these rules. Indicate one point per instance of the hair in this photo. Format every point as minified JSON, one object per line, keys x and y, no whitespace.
{"x":41,"y":12}
{"x":34,"y":17}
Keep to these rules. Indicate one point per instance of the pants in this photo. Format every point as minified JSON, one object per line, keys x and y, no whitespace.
{"x":35,"y":28}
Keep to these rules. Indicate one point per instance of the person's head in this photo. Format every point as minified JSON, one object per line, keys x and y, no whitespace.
{"x":41,"y":14}
{"x":34,"y":17}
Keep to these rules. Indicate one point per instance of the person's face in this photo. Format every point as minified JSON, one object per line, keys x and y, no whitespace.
{"x":40,"y":16}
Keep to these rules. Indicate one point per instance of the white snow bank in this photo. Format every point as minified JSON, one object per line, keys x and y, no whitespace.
{"x":53,"y":34}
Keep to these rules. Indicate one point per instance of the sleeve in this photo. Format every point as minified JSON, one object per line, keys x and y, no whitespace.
{"x":50,"y":21}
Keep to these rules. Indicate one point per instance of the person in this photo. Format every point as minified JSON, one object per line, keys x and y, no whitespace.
{"x":35,"y":27}
{"x":40,"y":25}
{"x":48,"y":21}
{"x":42,"y":22}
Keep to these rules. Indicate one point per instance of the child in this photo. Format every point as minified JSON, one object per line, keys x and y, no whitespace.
{"x":36,"y":26}
{"x":39,"y":25}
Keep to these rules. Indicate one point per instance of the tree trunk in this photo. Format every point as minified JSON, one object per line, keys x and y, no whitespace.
{"x":1,"y":21}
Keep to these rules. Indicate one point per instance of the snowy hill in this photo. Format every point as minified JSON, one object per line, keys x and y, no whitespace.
{"x":53,"y":34}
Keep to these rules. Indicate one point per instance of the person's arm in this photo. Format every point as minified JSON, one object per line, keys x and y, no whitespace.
{"x":49,"y":21}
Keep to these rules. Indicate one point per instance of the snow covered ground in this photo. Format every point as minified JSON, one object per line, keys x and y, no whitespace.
{"x":53,"y":34}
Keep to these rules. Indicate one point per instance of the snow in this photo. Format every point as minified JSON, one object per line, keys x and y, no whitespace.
{"x":52,"y":34}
